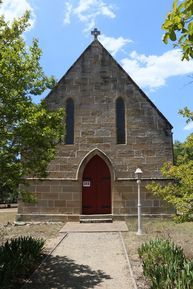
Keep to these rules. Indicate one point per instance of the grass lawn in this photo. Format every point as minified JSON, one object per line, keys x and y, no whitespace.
{"x":181,"y":234}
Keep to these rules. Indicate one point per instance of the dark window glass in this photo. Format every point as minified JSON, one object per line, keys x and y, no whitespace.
{"x":120,"y":120}
{"x":69,"y":121}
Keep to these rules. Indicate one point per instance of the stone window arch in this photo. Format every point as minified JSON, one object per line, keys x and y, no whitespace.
{"x":120,"y":120}
{"x":69,"y":121}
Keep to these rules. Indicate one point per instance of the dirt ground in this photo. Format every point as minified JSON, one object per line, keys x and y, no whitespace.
{"x":181,"y":234}
{"x":47,"y":231}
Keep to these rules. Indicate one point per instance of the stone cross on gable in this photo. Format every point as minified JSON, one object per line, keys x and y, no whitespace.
{"x":95,"y":33}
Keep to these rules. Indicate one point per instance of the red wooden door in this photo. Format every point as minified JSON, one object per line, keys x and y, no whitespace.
{"x":96,"y":188}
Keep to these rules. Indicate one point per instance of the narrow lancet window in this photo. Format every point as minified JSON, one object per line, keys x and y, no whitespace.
{"x":69,"y":121}
{"x":120,"y":120}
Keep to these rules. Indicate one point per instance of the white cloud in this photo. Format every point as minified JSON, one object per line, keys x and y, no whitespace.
{"x":152,"y":71}
{"x":16,"y":8}
{"x":68,"y":12}
{"x":107,"y":10}
{"x":112,"y":44}
{"x":87,"y":11}
{"x":189,"y":126}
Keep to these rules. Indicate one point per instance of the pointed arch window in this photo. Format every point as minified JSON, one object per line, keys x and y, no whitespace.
{"x":120,"y":120}
{"x":69,"y":121}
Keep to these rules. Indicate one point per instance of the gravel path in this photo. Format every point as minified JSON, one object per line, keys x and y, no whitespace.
{"x":85,"y":260}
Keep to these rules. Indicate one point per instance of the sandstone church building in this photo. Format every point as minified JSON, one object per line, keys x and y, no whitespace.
{"x":112,"y":128}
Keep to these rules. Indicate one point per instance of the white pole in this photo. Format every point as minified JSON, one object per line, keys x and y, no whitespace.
{"x":139,"y":232}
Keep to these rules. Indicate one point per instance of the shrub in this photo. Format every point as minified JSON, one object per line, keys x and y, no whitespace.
{"x":17,"y":258}
{"x":185,"y":278}
{"x":165,"y":265}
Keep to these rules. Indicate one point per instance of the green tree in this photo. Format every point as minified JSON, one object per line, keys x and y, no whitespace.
{"x":179,"y":27}
{"x":28,"y":131}
{"x":178,"y":150}
{"x":183,"y":152}
{"x":179,"y":190}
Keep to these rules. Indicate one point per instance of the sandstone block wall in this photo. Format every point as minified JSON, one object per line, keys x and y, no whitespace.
{"x":61,"y":201}
{"x":94,"y":82}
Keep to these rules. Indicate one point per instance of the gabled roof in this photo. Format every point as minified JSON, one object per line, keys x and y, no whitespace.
{"x":94,"y":42}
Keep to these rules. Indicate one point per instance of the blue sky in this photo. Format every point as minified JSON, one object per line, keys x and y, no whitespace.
{"x":130,"y":30}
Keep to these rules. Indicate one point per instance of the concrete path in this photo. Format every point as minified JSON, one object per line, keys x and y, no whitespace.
{"x":86,"y":260}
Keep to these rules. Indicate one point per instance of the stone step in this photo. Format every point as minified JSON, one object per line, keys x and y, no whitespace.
{"x":96,"y":219}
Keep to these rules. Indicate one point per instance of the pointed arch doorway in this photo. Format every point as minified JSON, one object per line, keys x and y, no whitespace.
{"x":96,"y":187}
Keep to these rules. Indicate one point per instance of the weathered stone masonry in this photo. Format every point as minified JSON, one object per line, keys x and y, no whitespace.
{"x":94,"y":83}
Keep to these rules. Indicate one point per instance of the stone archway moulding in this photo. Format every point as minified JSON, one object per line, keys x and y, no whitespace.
{"x":89,"y":156}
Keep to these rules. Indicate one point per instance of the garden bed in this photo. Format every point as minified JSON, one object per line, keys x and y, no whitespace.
{"x":181,"y":234}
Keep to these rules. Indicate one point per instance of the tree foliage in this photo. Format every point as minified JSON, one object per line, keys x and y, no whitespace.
{"x":28,"y":131}
{"x":183,"y":152}
{"x":179,"y":191}
{"x":179,"y":27}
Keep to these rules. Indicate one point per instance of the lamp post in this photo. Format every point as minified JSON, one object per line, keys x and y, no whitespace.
{"x":138,"y":174}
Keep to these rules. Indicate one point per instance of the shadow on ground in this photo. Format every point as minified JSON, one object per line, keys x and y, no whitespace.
{"x":62,"y":273}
